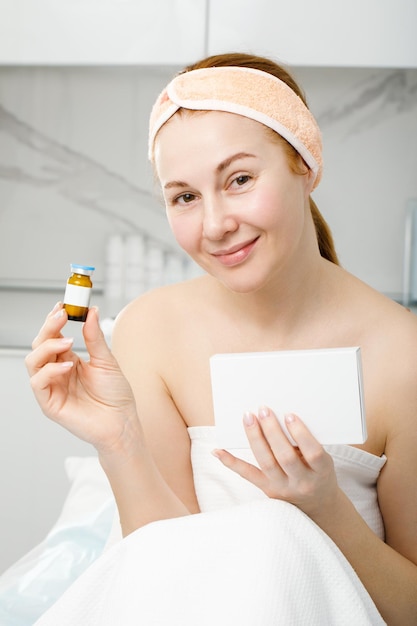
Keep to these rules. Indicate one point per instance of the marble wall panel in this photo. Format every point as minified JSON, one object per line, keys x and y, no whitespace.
{"x":74,"y":171}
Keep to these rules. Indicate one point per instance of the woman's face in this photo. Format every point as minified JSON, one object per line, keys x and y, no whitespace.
{"x":232,"y":201}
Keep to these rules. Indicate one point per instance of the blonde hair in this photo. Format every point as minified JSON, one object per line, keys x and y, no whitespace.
{"x":324,"y":236}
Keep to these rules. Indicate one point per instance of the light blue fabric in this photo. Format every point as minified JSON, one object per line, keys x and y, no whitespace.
{"x":37,"y":580}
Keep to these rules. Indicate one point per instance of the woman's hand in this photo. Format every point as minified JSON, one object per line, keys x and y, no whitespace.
{"x":303,"y":475}
{"x":92,"y":399}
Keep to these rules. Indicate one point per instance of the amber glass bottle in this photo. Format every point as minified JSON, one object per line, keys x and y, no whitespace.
{"x":78,"y":292}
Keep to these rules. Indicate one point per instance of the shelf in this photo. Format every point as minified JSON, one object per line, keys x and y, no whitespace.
{"x":40,"y":286}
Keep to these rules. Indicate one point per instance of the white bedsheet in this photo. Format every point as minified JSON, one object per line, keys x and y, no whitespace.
{"x":258,"y":564}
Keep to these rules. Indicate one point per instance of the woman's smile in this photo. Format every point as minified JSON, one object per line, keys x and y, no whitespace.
{"x":236,"y":254}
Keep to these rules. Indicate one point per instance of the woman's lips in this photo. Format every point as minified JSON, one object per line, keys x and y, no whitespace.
{"x":236,"y":254}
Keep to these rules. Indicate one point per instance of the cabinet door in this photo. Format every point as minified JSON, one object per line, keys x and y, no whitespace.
{"x":60,"y":32}
{"x":33,"y":483}
{"x":360,"y":33}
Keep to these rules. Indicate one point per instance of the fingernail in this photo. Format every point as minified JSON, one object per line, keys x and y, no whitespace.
{"x":57,"y":305}
{"x":289,"y":418}
{"x":67,"y":341}
{"x":248,"y":418}
{"x":264,"y":412}
{"x":66,"y":364}
{"x":58,"y":314}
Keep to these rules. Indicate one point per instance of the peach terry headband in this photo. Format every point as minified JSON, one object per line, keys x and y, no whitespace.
{"x":245,"y":91}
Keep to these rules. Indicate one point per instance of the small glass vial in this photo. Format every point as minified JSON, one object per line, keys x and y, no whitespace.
{"x":78,"y":292}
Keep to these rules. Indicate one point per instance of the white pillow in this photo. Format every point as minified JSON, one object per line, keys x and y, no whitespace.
{"x":89,"y":488}
{"x":37,"y":580}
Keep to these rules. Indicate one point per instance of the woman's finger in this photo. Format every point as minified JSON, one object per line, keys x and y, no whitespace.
{"x":41,"y":382}
{"x":94,"y":339}
{"x":245,"y":470}
{"x":260,"y":444}
{"x":307,"y":452}
{"x":52,"y":326}
{"x":313,"y":453}
{"x":275,"y":454}
{"x":48,"y":352}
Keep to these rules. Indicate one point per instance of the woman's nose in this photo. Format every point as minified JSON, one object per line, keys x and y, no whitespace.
{"x":218,"y":220}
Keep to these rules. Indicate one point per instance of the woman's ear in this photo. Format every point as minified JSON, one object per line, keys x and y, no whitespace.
{"x":309,"y":179}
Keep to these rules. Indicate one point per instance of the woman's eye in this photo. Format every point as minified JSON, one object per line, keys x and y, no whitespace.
{"x":241,"y":180}
{"x":185,"y":198}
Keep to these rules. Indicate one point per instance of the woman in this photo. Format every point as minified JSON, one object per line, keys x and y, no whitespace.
{"x":237,"y":154}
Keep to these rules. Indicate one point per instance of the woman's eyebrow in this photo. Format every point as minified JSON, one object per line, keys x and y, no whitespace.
{"x":175,"y":183}
{"x":220,"y":168}
{"x":235,"y":157}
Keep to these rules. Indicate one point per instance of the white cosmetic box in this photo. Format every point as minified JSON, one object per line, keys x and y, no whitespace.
{"x":323,"y":387}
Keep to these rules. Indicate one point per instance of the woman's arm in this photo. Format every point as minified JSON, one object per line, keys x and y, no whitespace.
{"x":142,"y":343}
{"x":94,"y":401}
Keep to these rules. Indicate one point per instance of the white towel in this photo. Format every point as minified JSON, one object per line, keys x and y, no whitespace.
{"x":259,"y":564}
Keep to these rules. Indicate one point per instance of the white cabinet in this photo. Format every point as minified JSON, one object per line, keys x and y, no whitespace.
{"x":33,"y":484}
{"x":359,"y":33}
{"x":73,"y":32}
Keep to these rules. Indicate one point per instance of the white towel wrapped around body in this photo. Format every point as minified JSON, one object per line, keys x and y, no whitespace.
{"x":263,"y":563}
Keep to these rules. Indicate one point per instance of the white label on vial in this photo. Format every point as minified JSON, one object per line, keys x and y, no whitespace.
{"x":76,"y":295}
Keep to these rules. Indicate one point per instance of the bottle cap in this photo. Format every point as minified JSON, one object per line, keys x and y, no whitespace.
{"x":86,"y":270}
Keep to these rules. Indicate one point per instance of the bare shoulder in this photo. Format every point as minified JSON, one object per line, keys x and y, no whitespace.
{"x":387,"y":331}
{"x":382,"y":325}
{"x":155,"y":307}
{"x":150,"y":304}
{"x":393,"y":346}
{"x":158,"y":320}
